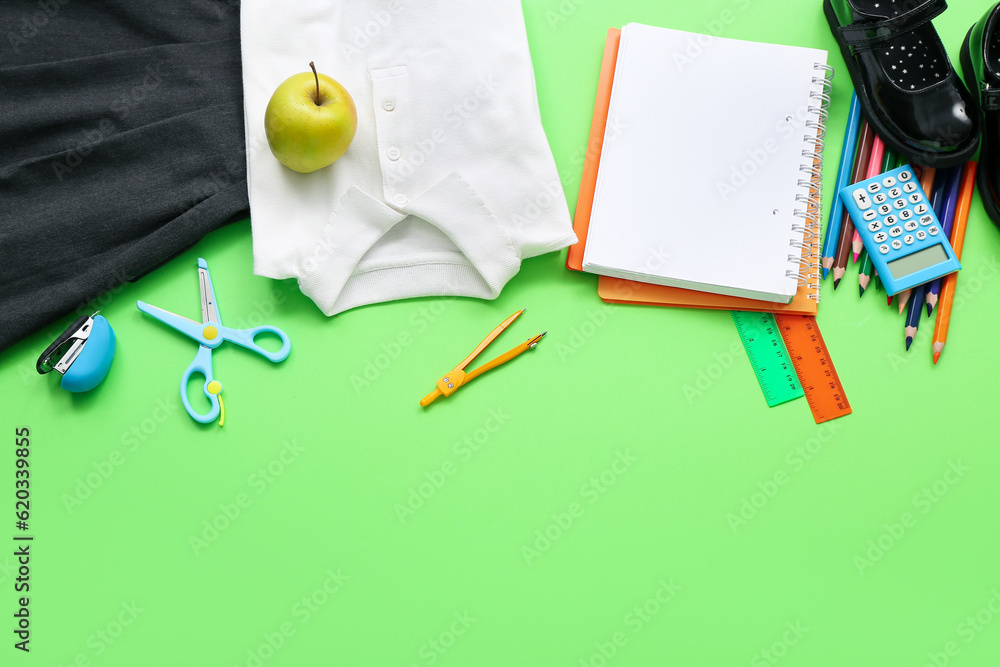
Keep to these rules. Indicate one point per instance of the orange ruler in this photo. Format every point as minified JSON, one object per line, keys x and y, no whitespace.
{"x":813,"y":364}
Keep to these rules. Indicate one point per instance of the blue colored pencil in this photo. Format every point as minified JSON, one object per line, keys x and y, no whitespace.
{"x":913,"y":314}
{"x":843,"y":176}
{"x":947,"y":219}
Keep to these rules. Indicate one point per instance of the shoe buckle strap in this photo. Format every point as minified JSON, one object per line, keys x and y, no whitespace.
{"x":989,"y":98}
{"x":866,"y":35}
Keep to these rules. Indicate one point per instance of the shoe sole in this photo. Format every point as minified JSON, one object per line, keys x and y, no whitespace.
{"x":923,"y":158}
{"x":981,"y":182}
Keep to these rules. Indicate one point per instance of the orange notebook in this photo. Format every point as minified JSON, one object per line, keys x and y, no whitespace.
{"x":616,"y":290}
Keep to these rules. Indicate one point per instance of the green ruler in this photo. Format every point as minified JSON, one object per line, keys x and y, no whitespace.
{"x":768,"y":356}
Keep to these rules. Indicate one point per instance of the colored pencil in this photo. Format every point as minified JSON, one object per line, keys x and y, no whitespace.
{"x":957,"y":241}
{"x":947,"y":219}
{"x":927,"y":178}
{"x":851,"y":142}
{"x":865,"y":272}
{"x":846,"y":226}
{"x":875,"y":160}
{"x":913,"y":314}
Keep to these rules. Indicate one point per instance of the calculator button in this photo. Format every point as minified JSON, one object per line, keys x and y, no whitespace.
{"x":909,"y":187}
{"x":888,"y":181}
{"x":899,"y":203}
{"x":874,"y":226}
{"x":880,"y":198}
{"x":905,"y":214}
{"x":933,"y":230}
{"x":880,"y":237}
{"x":915,"y":198}
{"x":908,"y":239}
{"x":921,"y":235}
{"x":896,"y":244}
{"x":890,"y":220}
{"x":895,"y":192}
{"x":873,"y":187}
{"x":920,"y":209}
{"x":869,"y":215}
{"x":884,"y":249}
{"x":884,"y":209}
{"x":861,"y":199}
{"x":926,"y":220}
{"x":904,"y":176}
{"x":910,"y":226}
{"x":895,"y":231}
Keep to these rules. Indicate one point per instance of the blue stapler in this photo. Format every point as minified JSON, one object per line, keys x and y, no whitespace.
{"x":82,"y":354}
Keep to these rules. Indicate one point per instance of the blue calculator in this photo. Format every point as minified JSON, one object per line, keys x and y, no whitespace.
{"x":900,"y":230}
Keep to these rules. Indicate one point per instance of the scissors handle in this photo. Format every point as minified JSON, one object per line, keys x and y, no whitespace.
{"x":245,"y":338}
{"x":202,"y":364}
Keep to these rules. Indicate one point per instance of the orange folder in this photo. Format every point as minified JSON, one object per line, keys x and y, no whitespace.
{"x":617,"y":290}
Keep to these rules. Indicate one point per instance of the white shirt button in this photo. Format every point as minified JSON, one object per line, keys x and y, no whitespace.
{"x":399,"y":199}
{"x":392,"y":153}
{"x":388,"y":104}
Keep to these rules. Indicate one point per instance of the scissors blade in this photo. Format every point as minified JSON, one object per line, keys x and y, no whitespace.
{"x":189,"y":328}
{"x":209,"y":309}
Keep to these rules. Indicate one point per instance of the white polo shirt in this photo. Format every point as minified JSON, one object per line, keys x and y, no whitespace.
{"x":449,"y":181}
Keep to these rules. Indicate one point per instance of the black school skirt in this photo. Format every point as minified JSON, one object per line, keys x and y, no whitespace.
{"x":121,"y":145}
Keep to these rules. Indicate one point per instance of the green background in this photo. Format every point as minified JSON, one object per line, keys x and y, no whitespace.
{"x":595,"y":439}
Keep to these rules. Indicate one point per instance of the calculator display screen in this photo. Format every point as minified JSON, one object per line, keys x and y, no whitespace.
{"x":918,"y":261}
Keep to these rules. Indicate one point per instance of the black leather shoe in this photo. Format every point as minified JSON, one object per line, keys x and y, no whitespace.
{"x":981,"y":68}
{"x":907,"y":87}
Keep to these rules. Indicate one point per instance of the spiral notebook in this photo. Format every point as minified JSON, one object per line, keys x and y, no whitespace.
{"x":709,"y":153}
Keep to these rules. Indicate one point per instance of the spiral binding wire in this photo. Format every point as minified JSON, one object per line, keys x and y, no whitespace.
{"x":807,"y":268}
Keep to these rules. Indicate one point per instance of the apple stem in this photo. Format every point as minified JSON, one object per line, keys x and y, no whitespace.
{"x":316,"y":76}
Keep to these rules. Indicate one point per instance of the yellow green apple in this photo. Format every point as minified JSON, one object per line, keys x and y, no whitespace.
{"x":310,"y":121}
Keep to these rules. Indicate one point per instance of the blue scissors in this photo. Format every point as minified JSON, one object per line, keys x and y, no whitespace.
{"x":210,"y":334}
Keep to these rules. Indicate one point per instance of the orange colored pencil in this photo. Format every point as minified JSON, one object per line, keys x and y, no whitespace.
{"x":950,"y":281}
